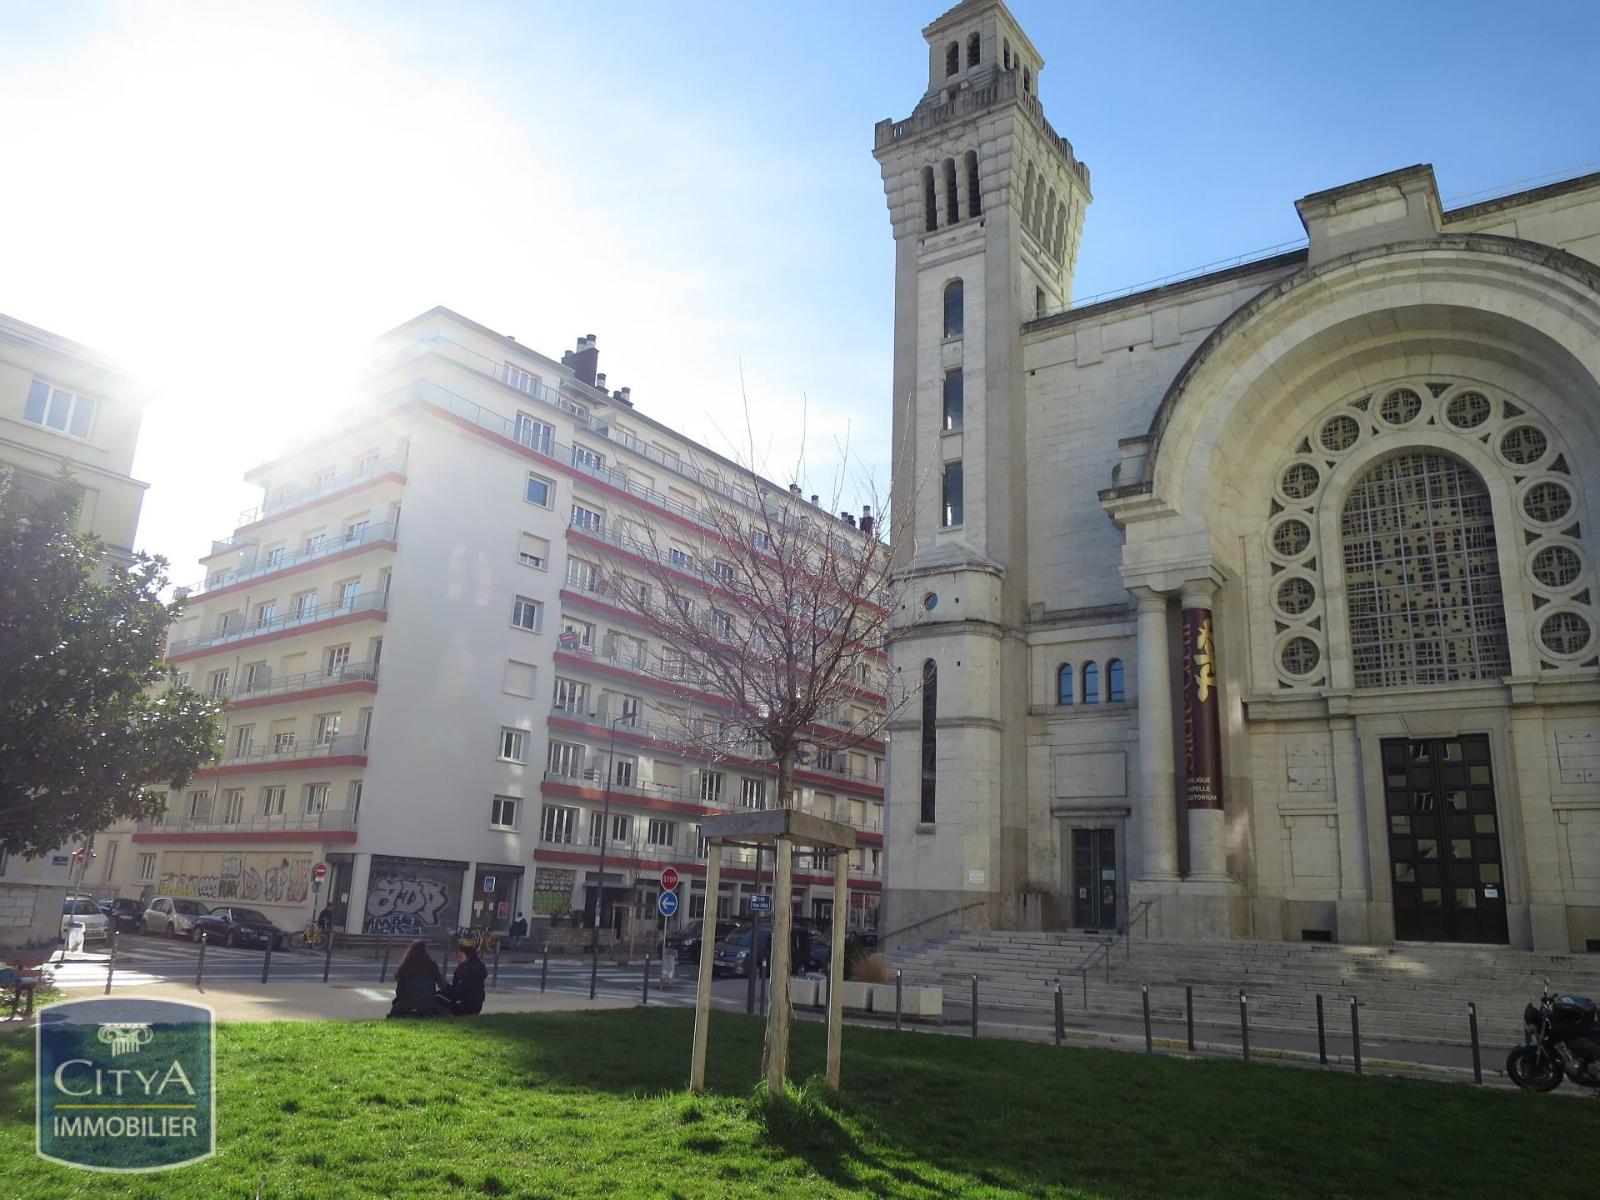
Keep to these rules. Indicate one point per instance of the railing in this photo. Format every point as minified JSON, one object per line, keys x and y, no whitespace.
{"x":594,"y":778}
{"x":632,"y":850}
{"x":291,"y":497}
{"x":331,"y":818}
{"x":353,"y":743}
{"x":379,"y":531}
{"x":1106,"y":947}
{"x":949,"y":912}
{"x":374,"y":601}
{"x":363,"y":672}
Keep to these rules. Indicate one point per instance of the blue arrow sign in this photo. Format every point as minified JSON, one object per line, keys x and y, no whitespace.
{"x":667,"y":902}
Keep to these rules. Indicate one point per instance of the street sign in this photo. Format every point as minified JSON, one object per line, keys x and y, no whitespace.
{"x":667,"y":902}
{"x":761,"y":903}
{"x":669,"y":879}
{"x":319,"y":872}
{"x":488,"y":883}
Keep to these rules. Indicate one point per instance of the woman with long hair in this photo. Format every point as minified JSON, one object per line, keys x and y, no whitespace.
{"x":417,"y":983}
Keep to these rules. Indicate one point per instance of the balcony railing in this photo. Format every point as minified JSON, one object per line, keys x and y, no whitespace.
{"x":621,"y":853}
{"x":267,"y":755}
{"x":378,"y":531}
{"x":255,"y":822}
{"x":364,"y":672}
{"x":375,"y":601}
{"x":291,"y":497}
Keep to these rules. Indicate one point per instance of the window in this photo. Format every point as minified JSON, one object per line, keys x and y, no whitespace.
{"x":577,"y":635}
{"x":1038,"y":302}
{"x":503,"y":812}
{"x":316,"y":798}
{"x":630,"y":709}
{"x":587,"y":459}
{"x":366,"y":464}
{"x":930,"y":201}
{"x":274,"y":555}
{"x":1006,"y":54}
{"x":233,"y":806}
{"x":314,"y":543}
{"x":520,"y":678}
{"x":571,"y":696}
{"x":539,"y":490}
{"x":952,"y":58}
{"x":662,"y":833}
{"x":513,"y":745}
{"x":283,"y":741}
{"x":930,"y":740}
{"x":305,"y":605}
{"x":587,"y":518}
{"x":951,"y":509}
{"x":1115,"y":684}
{"x":243,"y":736}
{"x":1027,"y":81}
{"x":533,"y":551}
{"x":678,"y":558}
{"x":760,"y":540}
{"x":219,"y":682}
{"x":624,"y":772}
{"x":55,"y":409}
{"x":355,"y":531}
{"x":265,"y":612}
{"x":753,"y":793}
{"x":335,"y":659}
{"x":347,"y":592}
{"x":723,"y":571}
{"x":558,"y":823}
{"x":326,"y":728}
{"x":352,"y":801}
{"x":711,"y":786}
{"x":534,"y":434}
{"x":974,"y":188}
{"x":255,"y":675}
{"x":566,"y":758}
{"x":721,"y":624}
{"x":147,"y":867}
{"x":974,"y":50}
{"x":199,"y":806}
{"x":952,"y":201}
{"x":582,"y":575}
{"x":527,"y":614}
{"x":621,"y":827}
{"x":952,"y":399}
{"x":272,"y":801}
{"x":1064,"y":689}
{"x":1091,"y":683}
{"x":954,"y":308}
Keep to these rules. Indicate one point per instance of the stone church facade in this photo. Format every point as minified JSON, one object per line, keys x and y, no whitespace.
{"x":1258,"y":605}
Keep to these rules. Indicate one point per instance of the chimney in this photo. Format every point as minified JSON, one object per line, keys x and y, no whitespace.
{"x":584,"y":359}
{"x":813,"y":498}
{"x":794,"y":489}
{"x":624,"y":394}
{"x":866,"y":519}
{"x":600,"y":381}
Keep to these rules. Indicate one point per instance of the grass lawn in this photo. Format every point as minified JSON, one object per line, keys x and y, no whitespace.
{"x":593,"y":1104}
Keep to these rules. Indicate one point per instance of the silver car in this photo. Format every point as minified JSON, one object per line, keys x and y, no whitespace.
{"x":172,"y":916}
{"x":83,"y":911}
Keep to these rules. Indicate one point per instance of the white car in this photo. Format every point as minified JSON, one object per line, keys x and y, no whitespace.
{"x":172,"y":916}
{"x":85,"y":912}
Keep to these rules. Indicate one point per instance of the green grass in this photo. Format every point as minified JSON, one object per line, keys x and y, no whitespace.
{"x":593,"y":1104}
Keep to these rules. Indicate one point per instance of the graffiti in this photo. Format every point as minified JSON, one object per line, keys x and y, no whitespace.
{"x":552,"y":890}
{"x":208,"y":875}
{"x":228,"y":878}
{"x":408,"y":896}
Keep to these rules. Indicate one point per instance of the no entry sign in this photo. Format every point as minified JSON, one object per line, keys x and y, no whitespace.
{"x":669,"y":879}
{"x":319,"y":872}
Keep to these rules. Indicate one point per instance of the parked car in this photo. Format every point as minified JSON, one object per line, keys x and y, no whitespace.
{"x":87,"y":913}
{"x":124,"y":914}
{"x":686,"y":943}
{"x":237,"y":927}
{"x":172,"y":916}
{"x":731,"y":955}
{"x":865,"y":940}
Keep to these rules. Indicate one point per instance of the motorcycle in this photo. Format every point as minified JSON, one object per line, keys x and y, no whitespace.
{"x":1563,"y":1041}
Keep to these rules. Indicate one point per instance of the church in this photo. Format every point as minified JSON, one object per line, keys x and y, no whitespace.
{"x":1256,"y":605}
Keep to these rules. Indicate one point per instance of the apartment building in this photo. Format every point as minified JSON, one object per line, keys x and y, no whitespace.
{"x":63,"y":405}
{"x":429,"y":692}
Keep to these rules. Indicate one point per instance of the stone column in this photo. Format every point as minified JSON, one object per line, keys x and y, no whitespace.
{"x":1202,"y":737}
{"x":1158,"y":830}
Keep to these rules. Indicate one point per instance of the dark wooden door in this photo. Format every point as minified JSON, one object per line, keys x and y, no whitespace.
{"x":1094,"y":878}
{"x":1444,"y":841}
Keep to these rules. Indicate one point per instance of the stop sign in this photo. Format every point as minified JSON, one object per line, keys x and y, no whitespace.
{"x":669,"y":879}
{"x":319,"y":872}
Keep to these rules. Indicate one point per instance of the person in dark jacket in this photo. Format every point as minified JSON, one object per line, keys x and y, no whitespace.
{"x":464,"y":996}
{"x":418,"y":985}
{"x":325,"y":918}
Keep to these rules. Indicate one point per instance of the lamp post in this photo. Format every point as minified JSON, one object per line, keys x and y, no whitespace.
{"x":605,"y":836}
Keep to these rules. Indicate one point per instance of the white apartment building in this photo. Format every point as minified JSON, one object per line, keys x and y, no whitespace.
{"x":427,"y":691}
{"x":63,"y":404}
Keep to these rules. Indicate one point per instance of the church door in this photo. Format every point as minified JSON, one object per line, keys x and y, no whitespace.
{"x":1444,"y":841}
{"x":1094,"y":878}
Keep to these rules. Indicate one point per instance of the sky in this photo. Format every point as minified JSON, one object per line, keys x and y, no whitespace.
{"x":234,"y":198}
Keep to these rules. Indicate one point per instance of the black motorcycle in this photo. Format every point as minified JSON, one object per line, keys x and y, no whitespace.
{"x":1563,"y":1039}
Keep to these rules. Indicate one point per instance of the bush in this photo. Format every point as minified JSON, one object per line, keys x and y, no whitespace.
{"x":867,"y":967}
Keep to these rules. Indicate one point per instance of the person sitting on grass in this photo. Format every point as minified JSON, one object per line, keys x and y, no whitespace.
{"x":417,"y":983}
{"x":464,"y":996}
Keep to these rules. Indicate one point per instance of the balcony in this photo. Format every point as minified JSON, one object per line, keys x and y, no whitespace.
{"x":289,"y":498}
{"x":634,"y":855}
{"x":728,"y":800}
{"x":338,"y":747}
{"x":332,"y":819}
{"x":309,"y":681}
{"x":373,"y":603}
{"x":381,"y":531}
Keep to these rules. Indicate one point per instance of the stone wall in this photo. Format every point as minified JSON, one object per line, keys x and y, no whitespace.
{"x":30,"y":915}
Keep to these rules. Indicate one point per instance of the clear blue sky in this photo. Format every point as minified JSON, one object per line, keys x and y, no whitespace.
{"x":691,"y":182}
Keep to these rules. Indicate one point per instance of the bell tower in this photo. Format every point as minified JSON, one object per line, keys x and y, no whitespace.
{"x":986,"y":201}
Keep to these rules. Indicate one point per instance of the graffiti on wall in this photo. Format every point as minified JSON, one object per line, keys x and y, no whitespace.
{"x":411,"y":896}
{"x":552,"y":890}
{"x":262,"y":878}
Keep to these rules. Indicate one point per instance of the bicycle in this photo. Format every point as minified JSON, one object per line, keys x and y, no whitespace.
{"x":309,"y":938}
{"x":479,"y":938}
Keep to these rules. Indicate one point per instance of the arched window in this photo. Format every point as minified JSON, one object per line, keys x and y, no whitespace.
{"x":1064,"y":693}
{"x":930,"y":201}
{"x":974,"y":188}
{"x":1115,"y":685}
{"x":952,"y":58}
{"x":1421,"y":573}
{"x":952,"y":207}
{"x":1005,"y":54}
{"x":1027,"y":82}
{"x":954,"y":308}
{"x":1027,"y":199}
{"x":1091,"y":683}
{"x":930,"y":738}
{"x":974,"y":50}
{"x":1049,"y":223}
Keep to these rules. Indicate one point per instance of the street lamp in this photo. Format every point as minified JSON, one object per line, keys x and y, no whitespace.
{"x":605,"y":836}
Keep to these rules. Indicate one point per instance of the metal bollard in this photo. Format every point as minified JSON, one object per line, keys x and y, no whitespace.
{"x":266,"y":960}
{"x":1149,"y":1042}
{"x":1322,"y":1034}
{"x":383,"y":971}
{"x":1083,"y":978}
{"x":1061,"y":1016}
{"x":494,"y":979}
{"x":1355,"y":1032}
{"x":327,"y":957}
{"x":897,"y":1008}
{"x":1244,"y":1025}
{"x":111,"y":960}
{"x":1477,"y":1059}
{"x":646,"y":1000}
{"x":200,"y":963}
{"x":544,"y":970}
{"x":1188,"y":1014}
{"x":974,"y":1006}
